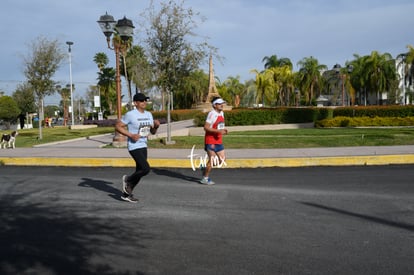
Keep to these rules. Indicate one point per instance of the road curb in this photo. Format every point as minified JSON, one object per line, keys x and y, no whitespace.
{"x":230,"y":163}
{"x":68,"y":141}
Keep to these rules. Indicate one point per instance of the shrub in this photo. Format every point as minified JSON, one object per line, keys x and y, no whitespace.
{"x":101,"y":123}
{"x":366,"y":121}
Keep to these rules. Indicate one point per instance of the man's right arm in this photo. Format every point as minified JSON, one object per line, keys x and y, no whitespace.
{"x":120,"y":127}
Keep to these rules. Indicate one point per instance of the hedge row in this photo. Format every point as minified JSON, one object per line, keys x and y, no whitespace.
{"x":176,"y":115}
{"x":264,"y":116}
{"x":260,"y":116}
{"x":341,"y":121}
{"x":374,"y":111}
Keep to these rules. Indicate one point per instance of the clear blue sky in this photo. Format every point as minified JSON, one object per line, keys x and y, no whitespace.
{"x":244,"y":32}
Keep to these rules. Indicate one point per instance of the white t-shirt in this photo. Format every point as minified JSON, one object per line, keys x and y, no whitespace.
{"x":212,"y":118}
{"x":138,"y":123}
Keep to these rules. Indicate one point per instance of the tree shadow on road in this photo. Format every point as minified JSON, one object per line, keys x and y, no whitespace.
{"x":44,"y":238}
{"x":104,"y":143}
{"x":406,"y":226}
{"x":103,"y":186}
{"x":172,"y":173}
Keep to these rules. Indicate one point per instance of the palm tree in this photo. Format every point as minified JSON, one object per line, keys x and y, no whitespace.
{"x":124,"y":46}
{"x":192,"y":90}
{"x":65,"y":94}
{"x":250,"y":94}
{"x":273,"y":61}
{"x":402,"y":65}
{"x":331,"y":87}
{"x":406,"y":64}
{"x":310,"y":77}
{"x":359,"y":79}
{"x":284,"y":85}
{"x":265,"y":86}
{"x":410,"y":62}
{"x":235,"y":89}
{"x":380,"y":72}
{"x":106,"y":82}
{"x":348,"y":73}
{"x":101,"y":60}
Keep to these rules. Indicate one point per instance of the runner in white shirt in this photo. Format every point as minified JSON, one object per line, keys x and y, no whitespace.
{"x":140,"y":124}
{"x":214,"y":128}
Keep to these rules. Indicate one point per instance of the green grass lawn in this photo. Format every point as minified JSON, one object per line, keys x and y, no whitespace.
{"x":292,"y":138}
{"x":305,"y":138}
{"x":30,"y":137}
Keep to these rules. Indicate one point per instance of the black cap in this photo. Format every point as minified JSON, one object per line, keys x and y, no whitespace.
{"x":140,"y":97}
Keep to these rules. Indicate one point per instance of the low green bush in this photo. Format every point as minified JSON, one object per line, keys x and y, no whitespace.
{"x":343,"y":121}
{"x":261,"y":116}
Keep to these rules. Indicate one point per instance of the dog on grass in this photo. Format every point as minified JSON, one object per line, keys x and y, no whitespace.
{"x":8,"y":140}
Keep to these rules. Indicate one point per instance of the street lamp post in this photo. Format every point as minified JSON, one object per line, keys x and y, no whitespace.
{"x":70,"y":43}
{"x":124,"y":29}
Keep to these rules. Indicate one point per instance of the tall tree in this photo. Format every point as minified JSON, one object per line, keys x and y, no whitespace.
{"x":359,"y":79}
{"x":106,"y":82}
{"x":410,"y":62}
{"x":265,"y":87}
{"x":124,"y":46}
{"x":9,"y":111}
{"x":310,"y":77}
{"x":406,"y":65}
{"x":42,"y":62}
{"x":284,"y":85}
{"x":281,"y":69}
{"x":250,"y":94}
{"x":101,"y":60}
{"x":338,"y":86}
{"x":139,"y":69}
{"x":380,"y":72}
{"x":170,"y":50}
{"x":235,"y":88}
{"x":24,"y":98}
{"x":64,"y":93}
{"x":273,"y":61}
{"x":192,"y":90}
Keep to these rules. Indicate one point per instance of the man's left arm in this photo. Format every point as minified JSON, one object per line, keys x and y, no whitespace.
{"x":155,"y":126}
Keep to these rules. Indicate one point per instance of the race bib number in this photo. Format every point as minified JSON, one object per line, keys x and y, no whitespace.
{"x":144,"y":131}
{"x":220,"y":126}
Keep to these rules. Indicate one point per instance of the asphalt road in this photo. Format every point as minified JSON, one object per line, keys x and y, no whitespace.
{"x":311,"y":220}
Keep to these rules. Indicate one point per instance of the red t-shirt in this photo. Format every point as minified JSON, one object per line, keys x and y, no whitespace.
{"x":216,"y":121}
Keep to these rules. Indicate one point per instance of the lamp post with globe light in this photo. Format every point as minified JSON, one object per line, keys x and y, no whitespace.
{"x":123,"y":30}
{"x":70,"y":43}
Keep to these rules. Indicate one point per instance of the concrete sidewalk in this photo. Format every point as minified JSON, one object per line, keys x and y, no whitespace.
{"x":88,"y":152}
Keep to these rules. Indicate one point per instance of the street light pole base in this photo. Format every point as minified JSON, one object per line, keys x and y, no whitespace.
{"x":168,"y":142}
{"x":119,"y":140}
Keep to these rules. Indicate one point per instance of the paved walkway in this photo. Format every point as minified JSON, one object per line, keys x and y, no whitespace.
{"x":89,"y":152}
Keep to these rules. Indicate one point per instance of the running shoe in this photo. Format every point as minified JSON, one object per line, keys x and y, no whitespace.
{"x":126,"y":188}
{"x":206,"y":181}
{"x":129,"y":198}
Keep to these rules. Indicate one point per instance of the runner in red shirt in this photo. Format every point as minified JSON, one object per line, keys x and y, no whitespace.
{"x":213,"y":140}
